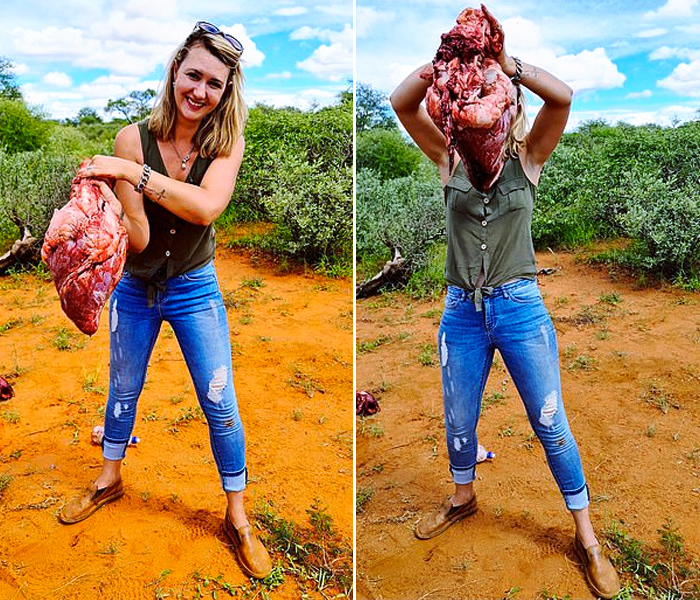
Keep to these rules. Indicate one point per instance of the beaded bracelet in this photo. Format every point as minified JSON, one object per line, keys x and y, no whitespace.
{"x":145,"y":176}
{"x":517,"y":76}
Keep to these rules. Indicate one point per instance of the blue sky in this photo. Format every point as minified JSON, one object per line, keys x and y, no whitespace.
{"x":637,"y":62}
{"x":79,"y":53}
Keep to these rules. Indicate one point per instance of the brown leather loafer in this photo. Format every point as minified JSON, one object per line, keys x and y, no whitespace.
{"x":251,"y":554}
{"x":445,"y":516}
{"x":81,"y":507}
{"x":600,"y":573}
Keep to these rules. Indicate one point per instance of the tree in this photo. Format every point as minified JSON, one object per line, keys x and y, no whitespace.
{"x":8,"y":81}
{"x":372,"y":109}
{"x":387,"y":152}
{"x":21,"y":129}
{"x":134,"y":106}
{"x":88,"y":116}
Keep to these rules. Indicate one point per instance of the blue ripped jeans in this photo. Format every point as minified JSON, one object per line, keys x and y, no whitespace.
{"x":515,"y":322}
{"x":193,"y":305}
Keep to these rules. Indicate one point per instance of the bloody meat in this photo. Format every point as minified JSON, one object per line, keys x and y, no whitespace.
{"x":85,"y":249}
{"x":470,"y":97}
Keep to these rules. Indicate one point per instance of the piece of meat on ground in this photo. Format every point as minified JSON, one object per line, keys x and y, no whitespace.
{"x":85,"y":249}
{"x":470,"y":97}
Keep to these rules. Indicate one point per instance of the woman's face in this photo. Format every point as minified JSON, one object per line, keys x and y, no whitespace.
{"x":199,"y":84}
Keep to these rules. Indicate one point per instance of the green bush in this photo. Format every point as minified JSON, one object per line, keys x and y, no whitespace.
{"x":21,"y":128}
{"x":32,"y":185}
{"x":323,"y":137}
{"x":605,"y":182}
{"x":312,"y":208}
{"x":387,"y":152}
{"x":407,"y":213}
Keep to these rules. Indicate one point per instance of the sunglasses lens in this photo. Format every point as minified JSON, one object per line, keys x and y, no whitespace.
{"x":208,"y":27}
{"x":213,"y":29}
{"x":234,"y":42}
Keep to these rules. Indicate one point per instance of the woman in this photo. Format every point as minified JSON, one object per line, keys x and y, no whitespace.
{"x":493,"y":301}
{"x":175,"y":175}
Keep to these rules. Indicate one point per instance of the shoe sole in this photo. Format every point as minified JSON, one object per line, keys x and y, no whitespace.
{"x":445,"y":526}
{"x":97,"y":506}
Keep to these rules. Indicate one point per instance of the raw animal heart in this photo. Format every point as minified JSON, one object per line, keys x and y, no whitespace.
{"x":470,"y":97}
{"x":85,"y":249}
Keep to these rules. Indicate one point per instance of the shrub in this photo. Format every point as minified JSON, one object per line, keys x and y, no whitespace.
{"x":21,"y":128}
{"x":387,"y":152}
{"x":312,"y":208}
{"x":32,"y":185}
{"x":407,"y":213}
{"x":323,"y":137}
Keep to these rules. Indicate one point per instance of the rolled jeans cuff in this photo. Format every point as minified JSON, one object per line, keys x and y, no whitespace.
{"x":463,"y":476}
{"x":114,"y":450}
{"x":236,"y":482}
{"x":579,"y":500}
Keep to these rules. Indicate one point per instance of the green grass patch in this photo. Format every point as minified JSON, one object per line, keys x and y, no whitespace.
{"x":668,"y":573}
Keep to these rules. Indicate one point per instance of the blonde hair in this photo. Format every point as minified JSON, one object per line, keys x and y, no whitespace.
{"x":518,"y":128}
{"x":219,"y":130}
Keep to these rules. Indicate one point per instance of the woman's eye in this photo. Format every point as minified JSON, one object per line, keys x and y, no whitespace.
{"x":193,"y":76}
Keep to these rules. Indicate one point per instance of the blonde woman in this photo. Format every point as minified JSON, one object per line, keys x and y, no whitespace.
{"x":175,"y":174}
{"x":493,"y":302}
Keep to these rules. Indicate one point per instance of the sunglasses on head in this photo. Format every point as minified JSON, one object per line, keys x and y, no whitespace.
{"x":214,"y":30}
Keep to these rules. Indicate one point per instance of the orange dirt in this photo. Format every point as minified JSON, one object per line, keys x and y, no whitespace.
{"x":292,"y":354}
{"x":625,"y":360}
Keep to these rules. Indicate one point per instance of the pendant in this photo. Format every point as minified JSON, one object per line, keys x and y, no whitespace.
{"x":184,"y":163}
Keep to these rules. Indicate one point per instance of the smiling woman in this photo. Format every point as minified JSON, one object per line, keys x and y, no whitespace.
{"x":175,"y":174}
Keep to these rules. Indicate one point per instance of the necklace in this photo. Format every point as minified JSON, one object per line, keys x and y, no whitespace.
{"x":183,"y":160}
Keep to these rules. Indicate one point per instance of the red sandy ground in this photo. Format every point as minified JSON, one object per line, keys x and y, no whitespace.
{"x":620,"y":362}
{"x":292,"y":357}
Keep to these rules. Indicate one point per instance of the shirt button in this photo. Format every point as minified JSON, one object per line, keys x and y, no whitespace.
{"x":486,"y":200}
{"x":167,"y":252}
{"x":172,"y":231}
{"x":484,"y":223}
{"x":483,"y":246}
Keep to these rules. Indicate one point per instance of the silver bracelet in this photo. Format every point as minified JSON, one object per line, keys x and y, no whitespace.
{"x":145,"y":176}
{"x":517,"y":76}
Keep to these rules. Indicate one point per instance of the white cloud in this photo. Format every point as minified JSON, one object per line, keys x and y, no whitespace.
{"x":57,"y":79}
{"x":52,"y":42}
{"x":684,"y":80}
{"x":332,"y":61}
{"x":292,"y":11}
{"x":673,"y":8}
{"x":282,"y":75}
{"x":20,"y":69}
{"x":304,"y":100}
{"x":588,"y":70}
{"x":309,"y":33}
{"x":666,"y":52}
{"x":642,"y":94}
{"x":252,"y":57}
{"x":367,"y":18}
{"x":650,"y":33}
{"x":665,"y":117}
{"x":165,"y":9}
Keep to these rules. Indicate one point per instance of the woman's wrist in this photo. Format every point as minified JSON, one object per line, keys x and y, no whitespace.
{"x":509,"y":66}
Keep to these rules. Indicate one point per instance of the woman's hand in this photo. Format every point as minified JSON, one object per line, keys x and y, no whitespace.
{"x":498,"y":43}
{"x":108,"y":167}
{"x":111,"y":198}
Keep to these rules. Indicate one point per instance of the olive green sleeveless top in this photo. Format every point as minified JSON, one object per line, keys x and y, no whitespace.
{"x":489,"y":238}
{"x":175,"y":246}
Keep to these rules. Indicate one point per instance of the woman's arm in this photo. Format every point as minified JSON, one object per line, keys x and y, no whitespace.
{"x":406,"y":100}
{"x":551,"y":119}
{"x":197,"y":204}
